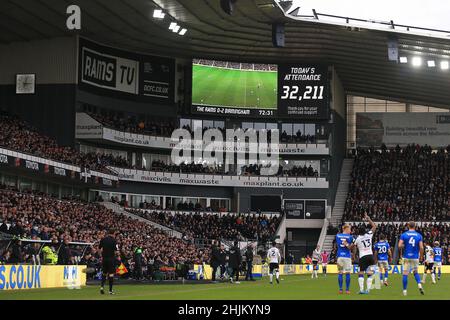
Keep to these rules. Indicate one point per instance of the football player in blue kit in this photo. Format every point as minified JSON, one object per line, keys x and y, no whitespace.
{"x":383,"y":254}
{"x":437,"y":259}
{"x":411,"y":248}
{"x":345,"y":244}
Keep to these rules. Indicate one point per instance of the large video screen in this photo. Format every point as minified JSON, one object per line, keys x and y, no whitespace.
{"x":298,"y":91}
{"x":221,"y":87}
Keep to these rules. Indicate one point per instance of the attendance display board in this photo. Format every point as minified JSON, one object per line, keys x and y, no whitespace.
{"x":303,"y":91}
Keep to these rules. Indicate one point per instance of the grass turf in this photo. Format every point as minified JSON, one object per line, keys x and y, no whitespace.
{"x":300,"y":287}
{"x":234,"y":88}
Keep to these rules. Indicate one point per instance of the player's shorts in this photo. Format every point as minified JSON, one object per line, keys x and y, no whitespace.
{"x":273,"y":266}
{"x":108,"y":266}
{"x":410,"y":264}
{"x":324,"y":265}
{"x":366,"y":262}
{"x":383,"y":264}
{"x":429,"y":266}
{"x":438,"y":264}
{"x":344,"y":264}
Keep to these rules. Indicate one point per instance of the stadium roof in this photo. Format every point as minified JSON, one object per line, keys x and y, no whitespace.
{"x":359,"y":55}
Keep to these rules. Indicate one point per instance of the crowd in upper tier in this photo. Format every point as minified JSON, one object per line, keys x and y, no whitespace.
{"x":18,"y":135}
{"x":40,"y":217}
{"x":400,"y":184}
{"x":155,"y":127}
{"x":215,"y":226}
{"x":294,"y":171}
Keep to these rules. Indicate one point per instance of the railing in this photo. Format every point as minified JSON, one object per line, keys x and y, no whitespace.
{"x":324,"y":231}
{"x":8,"y":240}
{"x":204,"y":179}
{"x":55,"y":163}
{"x":120,"y":210}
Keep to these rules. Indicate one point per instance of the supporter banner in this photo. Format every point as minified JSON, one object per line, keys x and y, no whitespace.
{"x":52,"y":168}
{"x":303,"y":91}
{"x":298,"y":269}
{"x":217,"y":180}
{"x":374,"y":129}
{"x":104,"y":69}
{"x":21,"y":277}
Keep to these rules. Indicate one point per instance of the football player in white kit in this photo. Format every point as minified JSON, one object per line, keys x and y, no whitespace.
{"x":274,"y":258}
{"x":429,"y":264}
{"x":316,"y":256}
{"x":364,"y":244}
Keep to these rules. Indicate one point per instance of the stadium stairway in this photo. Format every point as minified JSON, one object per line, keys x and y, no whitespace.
{"x":339,"y":205}
{"x":119,"y":210}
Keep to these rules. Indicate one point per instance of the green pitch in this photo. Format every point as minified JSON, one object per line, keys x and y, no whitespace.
{"x":300,"y":287}
{"x":234,"y":88}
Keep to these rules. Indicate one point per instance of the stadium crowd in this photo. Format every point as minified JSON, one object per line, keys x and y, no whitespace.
{"x":294,"y":171}
{"x":400,"y":184}
{"x":135,"y":124}
{"x":161,"y":166}
{"x":297,"y":138}
{"x":16,"y":134}
{"x":215,"y":226}
{"x":39,"y":217}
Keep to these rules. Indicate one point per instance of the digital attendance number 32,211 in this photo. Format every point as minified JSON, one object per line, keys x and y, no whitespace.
{"x":311,"y":93}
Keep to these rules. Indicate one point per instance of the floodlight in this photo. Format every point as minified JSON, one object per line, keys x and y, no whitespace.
{"x":172,"y":25}
{"x":159,"y":14}
{"x":416,"y":61}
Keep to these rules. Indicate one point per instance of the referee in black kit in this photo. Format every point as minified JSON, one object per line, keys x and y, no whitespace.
{"x":108,"y":248}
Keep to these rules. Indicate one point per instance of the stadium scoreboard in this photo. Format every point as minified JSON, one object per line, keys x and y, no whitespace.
{"x":303,"y":91}
{"x":294,"y":91}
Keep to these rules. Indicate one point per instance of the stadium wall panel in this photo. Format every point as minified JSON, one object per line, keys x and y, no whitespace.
{"x":175,"y":190}
{"x":51,"y":109}
{"x":339,"y":135}
{"x":53,"y":60}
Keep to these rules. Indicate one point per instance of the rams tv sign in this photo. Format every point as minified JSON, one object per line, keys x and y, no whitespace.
{"x":112,"y":72}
